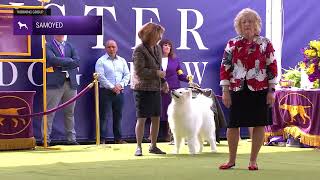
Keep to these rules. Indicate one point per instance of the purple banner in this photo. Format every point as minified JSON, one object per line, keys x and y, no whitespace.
{"x":199,"y":31}
{"x":297,"y":113}
{"x":58,"y":25}
{"x":10,"y":44}
{"x":298,"y":29}
{"x":16,"y":103}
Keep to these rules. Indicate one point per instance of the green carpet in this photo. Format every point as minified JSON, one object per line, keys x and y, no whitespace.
{"x":90,"y":162}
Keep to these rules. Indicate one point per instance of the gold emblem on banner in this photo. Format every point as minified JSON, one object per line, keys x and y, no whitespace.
{"x":15,"y":124}
{"x":12,"y":111}
{"x":296,"y":110}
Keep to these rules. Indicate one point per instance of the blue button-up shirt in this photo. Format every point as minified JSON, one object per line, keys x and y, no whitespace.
{"x":112,"y":71}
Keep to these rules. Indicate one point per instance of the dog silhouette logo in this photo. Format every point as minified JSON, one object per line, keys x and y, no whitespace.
{"x":11,"y":111}
{"x":11,"y":107}
{"x":298,"y":106}
{"x":295,"y":110}
{"x":21,"y":25}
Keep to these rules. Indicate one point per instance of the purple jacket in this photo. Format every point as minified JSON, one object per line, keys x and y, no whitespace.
{"x":172,"y":76}
{"x":173,"y":79}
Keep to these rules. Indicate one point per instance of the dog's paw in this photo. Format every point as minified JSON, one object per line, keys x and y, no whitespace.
{"x":175,"y":152}
{"x":214,"y":150}
{"x":192,"y":152}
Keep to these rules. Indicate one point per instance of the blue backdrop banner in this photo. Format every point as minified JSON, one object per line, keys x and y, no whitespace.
{"x":300,"y":27}
{"x":198,"y":29}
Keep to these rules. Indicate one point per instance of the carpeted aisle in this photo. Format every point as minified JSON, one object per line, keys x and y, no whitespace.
{"x":117,"y":162}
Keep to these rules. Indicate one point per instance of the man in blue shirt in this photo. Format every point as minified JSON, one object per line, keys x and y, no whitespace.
{"x":114,"y":75}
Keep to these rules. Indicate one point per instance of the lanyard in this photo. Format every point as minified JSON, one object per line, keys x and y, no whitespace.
{"x":58,"y":47}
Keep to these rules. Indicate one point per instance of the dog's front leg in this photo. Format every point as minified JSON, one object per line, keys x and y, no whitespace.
{"x":200,"y":143}
{"x":15,"y":122}
{"x":23,"y":121}
{"x":192,"y":144}
{"x":177,"y":141}
{"x":1,"y":119}
{"x":213,"y":144}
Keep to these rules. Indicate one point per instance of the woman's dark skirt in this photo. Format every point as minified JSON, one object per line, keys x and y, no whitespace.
{"x":249,"y":109}
{"x":148,"y":103}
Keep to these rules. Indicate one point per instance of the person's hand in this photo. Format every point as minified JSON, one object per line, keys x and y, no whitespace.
{"x":165,"y":87}
{"x":118,"y":86}
{"x":226,"y":99}
{"x":117,"y":89}
{"x":270,"y":98}
{"x":161,"y":74}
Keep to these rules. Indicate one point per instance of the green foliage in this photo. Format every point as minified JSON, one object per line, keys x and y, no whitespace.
{"x":316,"y":84}
{"x":293,"y":75}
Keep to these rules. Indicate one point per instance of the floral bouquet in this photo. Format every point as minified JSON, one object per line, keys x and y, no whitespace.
{"x":311,"y":62}
{"x":291,"y":77}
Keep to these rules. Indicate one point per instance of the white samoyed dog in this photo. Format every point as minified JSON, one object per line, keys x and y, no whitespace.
{"x":191,"y":119}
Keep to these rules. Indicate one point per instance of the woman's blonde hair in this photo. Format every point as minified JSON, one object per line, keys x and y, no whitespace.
{"x":149,"y":32}
{"x":243,"y":14}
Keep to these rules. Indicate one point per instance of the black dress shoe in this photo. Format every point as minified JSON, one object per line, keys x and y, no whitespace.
{"x":156,"y":150}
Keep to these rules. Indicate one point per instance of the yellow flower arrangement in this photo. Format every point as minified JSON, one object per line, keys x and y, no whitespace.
{"x":310,"y":69}
{"x":310,"y":53}
{"x":311,"y":62}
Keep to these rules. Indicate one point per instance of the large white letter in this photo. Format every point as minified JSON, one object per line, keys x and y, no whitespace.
{"x":196,"y":72}
{"x":100,"y":9}
{"x":139,"y":23}
{"x":14,"y":74}
{"x":131,"y":69}
{"x":78,"y":76}
{"x":30,"y":74}
{"x":61,"y":8}
{"x":184,"y":29}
